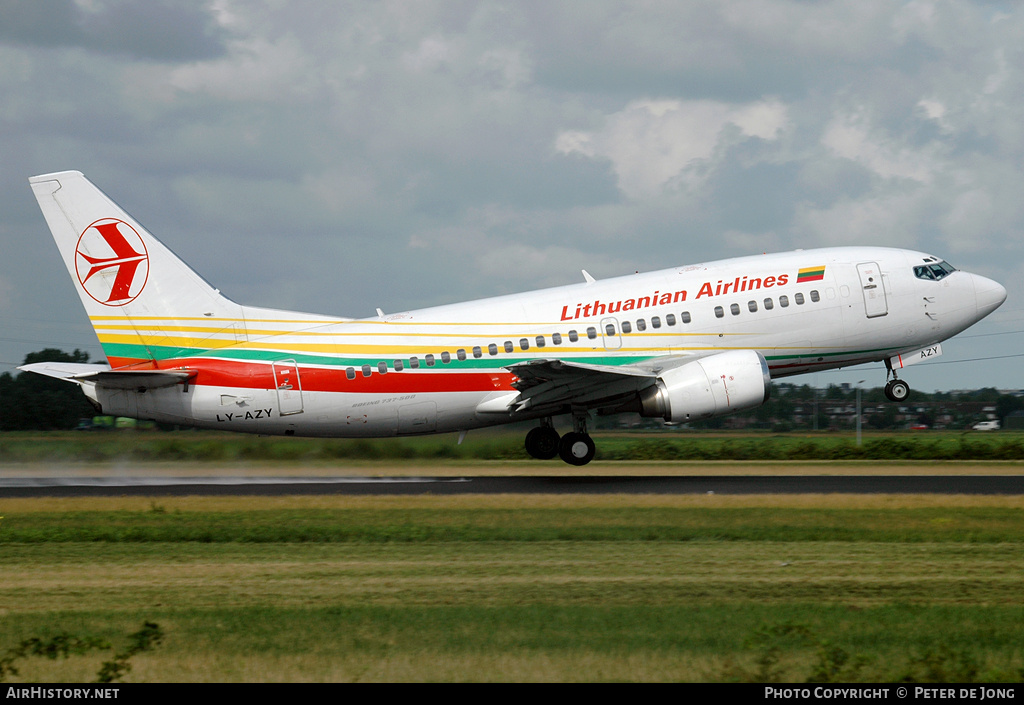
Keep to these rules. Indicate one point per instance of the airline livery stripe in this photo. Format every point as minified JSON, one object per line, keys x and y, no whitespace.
{"x":317,"y":322}
{"x":171,"y":356}
{"x":227,"y":373}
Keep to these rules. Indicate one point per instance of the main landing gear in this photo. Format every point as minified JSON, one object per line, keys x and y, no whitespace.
{"x":575,"y":447}
{"x":895,"y":389}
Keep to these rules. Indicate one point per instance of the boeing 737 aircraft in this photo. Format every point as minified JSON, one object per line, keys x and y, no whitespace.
{"x":679,"y":344}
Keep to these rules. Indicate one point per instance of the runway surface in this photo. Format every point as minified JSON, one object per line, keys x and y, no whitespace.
{"x":517,"y":484}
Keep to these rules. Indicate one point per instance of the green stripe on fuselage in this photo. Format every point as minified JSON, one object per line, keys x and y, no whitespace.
{"x":141,"y":352}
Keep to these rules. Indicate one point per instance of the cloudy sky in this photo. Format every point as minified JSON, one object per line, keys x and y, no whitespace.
{"x":337,"y":156}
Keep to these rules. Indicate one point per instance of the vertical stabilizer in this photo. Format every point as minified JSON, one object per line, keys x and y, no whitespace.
{"x":144,"y":303}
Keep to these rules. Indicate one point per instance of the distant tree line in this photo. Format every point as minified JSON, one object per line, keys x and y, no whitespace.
{"x":31,"y":402}
{"x":803,"y":407}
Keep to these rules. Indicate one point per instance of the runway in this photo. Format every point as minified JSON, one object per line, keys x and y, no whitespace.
{"x":512,"y":484}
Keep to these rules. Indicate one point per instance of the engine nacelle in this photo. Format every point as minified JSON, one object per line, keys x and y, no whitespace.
{"x":711,"y":386}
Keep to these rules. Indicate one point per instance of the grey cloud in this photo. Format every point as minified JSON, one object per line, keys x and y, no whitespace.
{"x":337,"y":156}
{"x":159,"y":30}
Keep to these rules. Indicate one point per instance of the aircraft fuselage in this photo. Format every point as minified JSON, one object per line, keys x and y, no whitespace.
{"x":430,"y":370}
{"x":681,"y":344}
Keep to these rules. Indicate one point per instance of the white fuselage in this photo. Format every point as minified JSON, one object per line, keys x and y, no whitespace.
{"x":445,"y":368}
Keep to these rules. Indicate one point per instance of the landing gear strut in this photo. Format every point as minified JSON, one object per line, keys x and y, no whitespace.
{"x":575,"y":447}
{"x":895,"y":389}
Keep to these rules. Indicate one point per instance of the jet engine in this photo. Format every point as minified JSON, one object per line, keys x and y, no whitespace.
{"x":710,"y":386}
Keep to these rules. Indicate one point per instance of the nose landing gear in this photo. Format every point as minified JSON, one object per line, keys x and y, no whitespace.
{"x":895,"y":389}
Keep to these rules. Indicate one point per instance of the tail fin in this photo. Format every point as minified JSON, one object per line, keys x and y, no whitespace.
{"x":144,"y":303}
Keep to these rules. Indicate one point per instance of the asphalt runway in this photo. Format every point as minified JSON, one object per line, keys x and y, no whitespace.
{"x":513,"y":484}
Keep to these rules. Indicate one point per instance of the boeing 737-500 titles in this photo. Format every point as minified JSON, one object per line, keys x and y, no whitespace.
{"x":679,"y":344}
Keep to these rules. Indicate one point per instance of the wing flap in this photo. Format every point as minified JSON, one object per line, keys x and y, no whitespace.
{"x":555,"y":383}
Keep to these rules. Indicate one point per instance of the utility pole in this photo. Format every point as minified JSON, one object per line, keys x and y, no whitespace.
{"x":858,"y":411}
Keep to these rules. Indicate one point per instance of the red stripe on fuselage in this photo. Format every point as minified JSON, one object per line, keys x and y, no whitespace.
{"x":252,"y":375}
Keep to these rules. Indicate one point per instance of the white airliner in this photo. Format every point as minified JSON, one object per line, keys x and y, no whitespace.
{"x":679,"y":344}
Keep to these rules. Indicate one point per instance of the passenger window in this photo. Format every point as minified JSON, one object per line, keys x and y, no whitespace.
{"x":492,"y":349}
{"x":752,"y":306}
{"x":799,"y":298}
{"x":627,"y":327}
{"x":641,"y":324}
{"x":540,"y":341}
{"x":735,"y":309}
{"x":556,"y":338}
{"x":719,"y":312}
{"x":573,"y":336}
{"x":655,"y":322}
{"x":399,"y":365}
{"x":414,"y":362}
{"x":685,"y":317}
{"x":609,"y":329}
{"x":366,"y":370}
{"x":445,"y":357}
{"x":769,"y":304}
{"x":670,"y":319}
{"x":524,"y":344}
{"x":783,"y":301}
{"x":382,"y":367}
{"x":815,"y":297}
{"x":461,"y":354}
{"x":350,"y":373}
{"x":509,"y":347}
{"x":430,"y":360}
{"x":591,"y":332}
{"x":477,"y":352}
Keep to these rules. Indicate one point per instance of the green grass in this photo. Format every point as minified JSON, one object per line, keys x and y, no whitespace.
{"x":504,"y":444}
{"x":546,"y":588}
{"x":702,"y":642}
{"x":522,"y":525}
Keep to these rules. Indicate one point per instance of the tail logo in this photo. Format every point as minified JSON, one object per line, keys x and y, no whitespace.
{"x":112,"y":262}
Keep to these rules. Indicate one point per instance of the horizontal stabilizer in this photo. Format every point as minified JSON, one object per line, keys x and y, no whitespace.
{"x":103,"y":376}
{"x":64,"y":370}
{"x":137,"y":379}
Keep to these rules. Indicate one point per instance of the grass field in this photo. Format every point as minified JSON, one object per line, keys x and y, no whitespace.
{"x":516,"y":588}
{"x":511,"y":588}
{"x":504,"y":444}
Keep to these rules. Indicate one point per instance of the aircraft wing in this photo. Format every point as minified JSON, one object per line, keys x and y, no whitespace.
{"x":554,"y":383}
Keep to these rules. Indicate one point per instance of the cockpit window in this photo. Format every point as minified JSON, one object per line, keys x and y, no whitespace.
{"x":934,"y":271}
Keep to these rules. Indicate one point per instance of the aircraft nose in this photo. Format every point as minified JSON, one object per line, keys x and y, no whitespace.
{"x":989,"y":294}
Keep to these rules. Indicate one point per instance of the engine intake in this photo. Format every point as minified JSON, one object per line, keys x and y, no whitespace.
{"x":711,"y":386}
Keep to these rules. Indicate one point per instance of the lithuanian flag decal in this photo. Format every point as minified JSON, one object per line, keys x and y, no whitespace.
{"x":810,"y":274}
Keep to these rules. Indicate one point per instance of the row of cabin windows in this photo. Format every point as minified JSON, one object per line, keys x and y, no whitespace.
{"x":524,"y":344}
{"x":769,"y":303}
{"x":556,"y":338}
